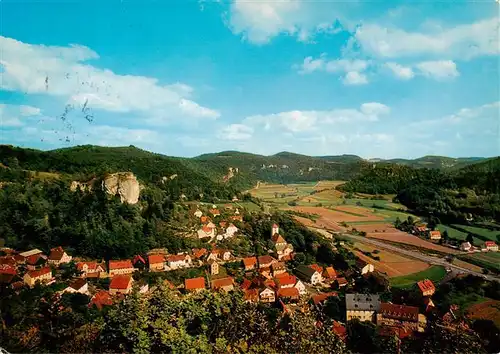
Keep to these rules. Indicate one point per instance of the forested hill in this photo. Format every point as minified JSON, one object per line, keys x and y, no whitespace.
{"x":455,"y":195}
{"x":83,"y":162}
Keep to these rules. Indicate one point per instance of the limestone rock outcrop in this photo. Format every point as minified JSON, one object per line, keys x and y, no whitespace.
{"x":124,"y":184}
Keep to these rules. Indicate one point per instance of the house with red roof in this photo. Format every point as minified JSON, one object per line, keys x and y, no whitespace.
{"x":288,"y":294}
{"x":43,"y":275}
{"x":426,"y":287}
{"x":78,"y":285}
{"x":278,"y":268}
{"x":101,"y":299}
{"x":58,"y":256}
{"x":214,"y":212}
{"x":8,"y":269}
{"x":490,"y":246}
{"x":120,"y":267}
{"x":156,"y":262}
{"x":89,"y":269}
{"x":35,"y":261}
{"x":204,"y":219}
{"x":194,"y":284}
{"x":401,"y":316}
{"x":121,"y":284}
{"x":341,"y":282}
{"x":340,"y":330}
{"x":178,"y":261}
{"x":206,"y":231}
{"x":198,"y":253}
{"x":249,"y":263}
{"x":267,"y":295}
{"x":225,"y":284}
{"x":317,"y":268}
{"x":329,"y":275}
{"x":266,"y":261}
{"x":435,"y":235}
{"x":321,"y":297}
{"x":139,"y":262}
{"x":286,"y":281}
{"x":236,"y":218}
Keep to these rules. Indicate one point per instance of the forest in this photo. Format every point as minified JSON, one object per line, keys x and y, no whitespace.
{"x":451,"y":196}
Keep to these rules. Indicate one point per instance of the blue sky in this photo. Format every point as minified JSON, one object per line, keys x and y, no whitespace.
{"x":377,"y":79}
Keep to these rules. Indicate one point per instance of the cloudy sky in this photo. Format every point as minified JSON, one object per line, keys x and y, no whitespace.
{"x":377,"y":79}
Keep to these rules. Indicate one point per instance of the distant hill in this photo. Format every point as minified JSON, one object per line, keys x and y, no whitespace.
{"x":85,"y":161}
{"x":437,"y":162}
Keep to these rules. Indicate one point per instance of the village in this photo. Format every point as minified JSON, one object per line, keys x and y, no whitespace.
{"x":269,"y":279}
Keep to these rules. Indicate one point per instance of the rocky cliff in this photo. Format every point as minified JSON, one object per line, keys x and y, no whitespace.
{"x":124,"y":184}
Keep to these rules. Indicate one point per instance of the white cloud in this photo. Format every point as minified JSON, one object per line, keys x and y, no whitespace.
{"x":310,"y":65}
{"x":62,"y":72}
{"x":461,"y":42}
{"x":352,"y":70}
{"x":400,"y":71}
{"x":307,"y":121}
{"x":442,"y":69}
{"x":355,"y":78}
{"x":375,"y":109}
{"x":259,"y":21}
{"x":236,"y":132}
{"x":11,"y":115}
{"x":345,"y":65}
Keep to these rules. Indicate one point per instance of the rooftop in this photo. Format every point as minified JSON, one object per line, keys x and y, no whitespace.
{"x":39,"y":272}
{"x":194,"y":283}
{"x":399,"y":312}
{"x":56,"y":254}
{"x":120,"y":282}
{"x":30,"y":253}
{"x":156,"y":258}
{"x":426,"y":285}
{"x":121,"y":264}
{"x":362,"y":302}
{"x":223,"y":282}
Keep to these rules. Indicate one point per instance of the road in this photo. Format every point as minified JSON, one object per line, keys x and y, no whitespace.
{"x":421,"y":256}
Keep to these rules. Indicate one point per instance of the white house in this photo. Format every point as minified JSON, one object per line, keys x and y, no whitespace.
{"x":465,"y":246}
{"x":364,"y":267}
{"x":206,"y":231}
{"x":58,"y":256}
{"x":308,"y":274}
{"x":300,"y":287}
{"x":78,"y":286}
{"x":177,"y":261}
{"x":88,"y":268}
{"x":230,"y":231}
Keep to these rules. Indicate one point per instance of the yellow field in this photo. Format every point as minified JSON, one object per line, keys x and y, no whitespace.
{"x":393,"y":265}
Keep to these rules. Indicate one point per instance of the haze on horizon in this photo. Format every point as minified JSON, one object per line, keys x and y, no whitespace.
{"x":376,"y":80}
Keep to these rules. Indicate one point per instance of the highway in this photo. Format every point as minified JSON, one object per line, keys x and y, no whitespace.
{"x":420,"y":256}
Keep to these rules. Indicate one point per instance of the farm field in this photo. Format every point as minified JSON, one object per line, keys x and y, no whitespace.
{"x":403,"y":237}
{"x":327,"y":184}
{"x":333,"y":215}
{"x":281,"y":194}
{"x":489,"y":234}
{"x":467,"y":265}
{"x":434,"y":273}
{"x":488,"y":259}
{"x":488,"y":310}
{"x":452,"y":232}
{"x":393,"y":265}
{"x":251,"y":207}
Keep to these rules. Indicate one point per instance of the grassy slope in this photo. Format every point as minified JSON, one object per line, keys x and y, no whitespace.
{"x":434,"y":273}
